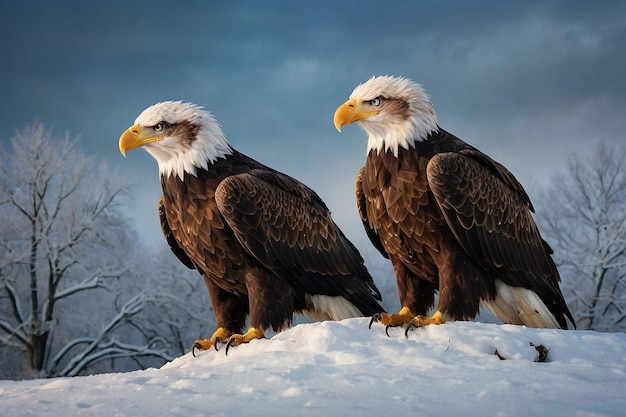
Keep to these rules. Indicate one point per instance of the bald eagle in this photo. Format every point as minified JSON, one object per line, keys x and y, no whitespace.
{"x":449,"y":218}
{"x":265,"y":243}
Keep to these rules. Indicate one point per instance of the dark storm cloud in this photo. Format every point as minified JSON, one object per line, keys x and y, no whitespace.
{"x":526,"y":82}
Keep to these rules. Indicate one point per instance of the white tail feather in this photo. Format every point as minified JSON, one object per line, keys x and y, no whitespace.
{"x":517,"y":305}
{"x":325,"y":307}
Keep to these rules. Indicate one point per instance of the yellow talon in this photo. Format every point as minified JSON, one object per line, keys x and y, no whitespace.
{"x":220,"y":335}
{"x":421,"y":321}
{"x":251,"y":334}
{"x":404,"y":316}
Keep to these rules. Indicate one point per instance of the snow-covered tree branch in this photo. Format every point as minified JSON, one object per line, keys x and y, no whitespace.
{"x":102,"y":347}
{"x":584,"y":219}
{"x":52,"y":204}
{"x":78,"y":294}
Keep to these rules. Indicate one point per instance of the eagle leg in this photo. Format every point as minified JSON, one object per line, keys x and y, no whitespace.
{"x":404,"y":316}
{"x":237,"y":339}
{"x":221,"y":335}
{"x":421,"y":321}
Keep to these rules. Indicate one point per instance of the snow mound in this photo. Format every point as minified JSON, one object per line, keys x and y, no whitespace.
{"x":334,"y":368}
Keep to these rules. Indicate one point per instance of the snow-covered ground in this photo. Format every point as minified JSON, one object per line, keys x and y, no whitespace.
{"x":343,"y":369}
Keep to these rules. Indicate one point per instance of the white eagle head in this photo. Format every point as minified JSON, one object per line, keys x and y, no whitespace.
{"x":394,"y":111}
{"x":180,"y":136}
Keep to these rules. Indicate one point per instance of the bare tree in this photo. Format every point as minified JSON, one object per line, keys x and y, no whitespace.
{"x":61,"y":237}
{"x":103,"y":347}
{"x":583,"y":217}
{"x":182,"y":302}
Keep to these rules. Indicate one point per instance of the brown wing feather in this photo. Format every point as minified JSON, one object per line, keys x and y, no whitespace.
{"x":361,"y":202}
{"x":491,"y":220}
{"x":288,"y":228}
{"x":171,"y":240}
{"x":197,"y":226}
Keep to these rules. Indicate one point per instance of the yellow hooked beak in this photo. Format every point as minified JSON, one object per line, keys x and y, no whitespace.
{"x":350,"y":112}
{"x":136,"y":136}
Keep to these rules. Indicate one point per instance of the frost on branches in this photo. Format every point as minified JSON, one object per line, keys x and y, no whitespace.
{"x":584,"y":219}
{"x":74,"y":294}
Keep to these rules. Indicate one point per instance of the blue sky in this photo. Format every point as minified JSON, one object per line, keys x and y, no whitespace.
{"x":528,"y":83}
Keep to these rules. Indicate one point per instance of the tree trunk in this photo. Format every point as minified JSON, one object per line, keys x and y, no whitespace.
{"x":37,"y":347}
{"x":596,"y":297}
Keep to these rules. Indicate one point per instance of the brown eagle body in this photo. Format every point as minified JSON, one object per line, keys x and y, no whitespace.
{"x":450,"y":218}
{"x":265,"y":243}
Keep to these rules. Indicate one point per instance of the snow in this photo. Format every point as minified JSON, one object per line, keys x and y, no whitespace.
{"x":344,"y":369}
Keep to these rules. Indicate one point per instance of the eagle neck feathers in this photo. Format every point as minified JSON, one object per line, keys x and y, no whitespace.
{"x":408,"y":115}
{"x":202,"y":153}
{"x":192,"y":138}
{"x":402,"y":136}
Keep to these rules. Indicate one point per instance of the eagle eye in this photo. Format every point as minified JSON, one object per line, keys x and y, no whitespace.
{"x":375,"y":102}
{"x":159,"y":127}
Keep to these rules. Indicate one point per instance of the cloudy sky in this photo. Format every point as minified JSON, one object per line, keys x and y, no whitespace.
{"x":528,"y":83}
